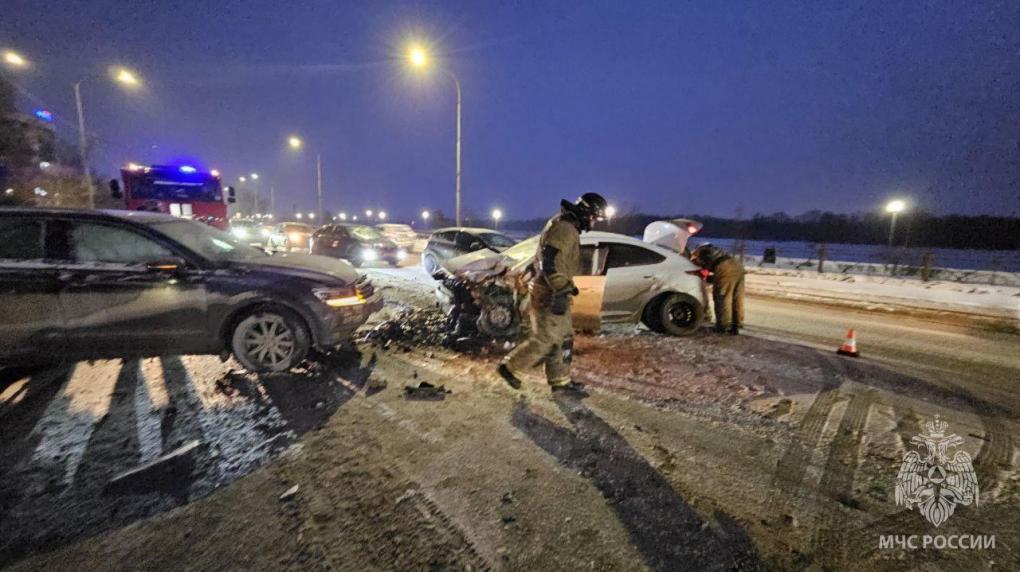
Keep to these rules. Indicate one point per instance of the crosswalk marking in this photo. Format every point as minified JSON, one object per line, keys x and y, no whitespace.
{"x":70,"y":418}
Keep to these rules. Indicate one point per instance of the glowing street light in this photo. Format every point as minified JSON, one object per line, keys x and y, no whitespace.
{"x":126,"y":77}
{"x":425,"y":215}
{"x":311,"y":216}
{"x":14,"y":59}
{"x":382,"y":215}
{"x":120,"y":75}
{"x":894,"y":208}
{"x":610,"y":212}
{"x":418,"y":58}
{"x":343,"y":216}
{"x":497,"y":215}
{"x":242,"y":179}
{"x":254,"y":176}
{"x":417,"y":55}
{"x":295,"y":143}
{"x":368,"y":213}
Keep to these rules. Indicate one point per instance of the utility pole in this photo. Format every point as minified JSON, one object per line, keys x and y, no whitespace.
{"x":83,"y":146}
{"x":457,"y":83}
{"x":272,"y":200}
{"x":318,"y":172}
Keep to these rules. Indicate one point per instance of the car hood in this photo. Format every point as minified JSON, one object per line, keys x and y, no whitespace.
{"x":306,"y":265}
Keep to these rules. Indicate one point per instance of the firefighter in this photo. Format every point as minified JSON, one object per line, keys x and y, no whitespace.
{"x":550,"y":288}
{"x":727,"y":286}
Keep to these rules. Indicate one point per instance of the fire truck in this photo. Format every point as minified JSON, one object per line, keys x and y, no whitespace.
{"x":181,"y":190}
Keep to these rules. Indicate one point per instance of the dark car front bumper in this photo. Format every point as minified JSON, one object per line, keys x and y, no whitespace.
{"x":339,"y":324}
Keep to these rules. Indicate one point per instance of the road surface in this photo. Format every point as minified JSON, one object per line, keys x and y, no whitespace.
{"x":710,"y":452}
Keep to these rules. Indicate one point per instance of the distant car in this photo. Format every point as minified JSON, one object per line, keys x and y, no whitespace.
{"x":447,"y":243}
{"x":643,"y":282}
{"x":251,"y":232}
{"x":401,"y":234}
{"x":80,"y":285}
{"x":290,"y":237}
{"x":357,"y":244}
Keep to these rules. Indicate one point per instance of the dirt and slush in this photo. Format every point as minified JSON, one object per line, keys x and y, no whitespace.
{"x":708,"y":452}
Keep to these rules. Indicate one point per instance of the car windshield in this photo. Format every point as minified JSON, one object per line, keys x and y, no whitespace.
{"x":364,"y":232}
{"x":207,"y":241}
{"x":497,"y":241}
{"x":522,"y":250}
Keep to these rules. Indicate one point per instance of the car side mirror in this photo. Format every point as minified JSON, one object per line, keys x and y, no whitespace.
{"x":115,"y":189}
{"x":231,"y":195}
{"x":170,"y":264}
{"x":475,"y":245}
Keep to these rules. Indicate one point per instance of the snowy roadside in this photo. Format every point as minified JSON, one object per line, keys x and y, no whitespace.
{"x":885,"y":293}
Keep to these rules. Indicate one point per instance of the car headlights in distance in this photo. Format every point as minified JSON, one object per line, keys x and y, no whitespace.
{"x":401,"y":254}
{"x":369,"y":254}
{"x":339,"y":297}
{"x":294,"y":237}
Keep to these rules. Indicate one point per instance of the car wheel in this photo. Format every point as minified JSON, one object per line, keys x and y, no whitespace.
{"x":430,"y":264}
{"x":270,"y":340}
{"x":678,"y":315}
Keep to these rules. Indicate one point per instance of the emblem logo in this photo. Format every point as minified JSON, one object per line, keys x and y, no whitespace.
{"x":933,"y":482}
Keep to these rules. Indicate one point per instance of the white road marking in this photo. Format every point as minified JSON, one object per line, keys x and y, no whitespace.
{"x":70,"y":418}
{"x":150,"y":400}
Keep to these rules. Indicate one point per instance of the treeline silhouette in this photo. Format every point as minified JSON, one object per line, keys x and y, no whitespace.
{"x":914,"y":229}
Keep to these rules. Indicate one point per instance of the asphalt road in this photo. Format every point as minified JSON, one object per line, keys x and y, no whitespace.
{"x":955,"y":351}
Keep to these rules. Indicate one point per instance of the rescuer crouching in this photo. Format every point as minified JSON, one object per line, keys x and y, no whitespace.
{"x":727,"y":286}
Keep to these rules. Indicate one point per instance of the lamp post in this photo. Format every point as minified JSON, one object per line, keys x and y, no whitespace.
{"x":120,"y":75}
{"x":497,"y":215}
{"x":295,"y":142}
{"x":894,"y":208}
{"x":419,"y":58}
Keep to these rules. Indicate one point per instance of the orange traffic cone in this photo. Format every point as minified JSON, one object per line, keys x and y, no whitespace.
{"x":849,"y":347}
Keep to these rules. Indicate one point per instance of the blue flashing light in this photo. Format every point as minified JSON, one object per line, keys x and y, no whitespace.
{"x":187,"y":169}
{"x":44,"y":115}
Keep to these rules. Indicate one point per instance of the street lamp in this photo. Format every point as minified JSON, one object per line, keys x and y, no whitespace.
{"x":368,"y":213}
{"x":382,"y":215}
{"x":343,"y":216}
{"x":14,"y":59}
{"x":425,"y":216}
{"x":496,"y":216}
{"x":419,"y":58}
{"x":894,"y":208}
{"x":295,"y":142}
{"x":297,"y":216}
{"x":254,"y":176}
{"x":242,"y":179}
{"x":120,"y":75}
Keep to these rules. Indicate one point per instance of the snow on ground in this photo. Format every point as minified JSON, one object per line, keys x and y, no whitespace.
{"x":998,"y":301}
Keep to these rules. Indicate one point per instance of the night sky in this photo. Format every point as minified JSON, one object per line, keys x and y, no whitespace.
{"x":708,"y":107}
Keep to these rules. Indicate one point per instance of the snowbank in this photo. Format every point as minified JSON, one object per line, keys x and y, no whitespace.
{"x":877,"y":291}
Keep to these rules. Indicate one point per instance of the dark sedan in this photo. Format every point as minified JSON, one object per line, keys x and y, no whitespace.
{"x":88,"y":285}
{"x":356,"y":243}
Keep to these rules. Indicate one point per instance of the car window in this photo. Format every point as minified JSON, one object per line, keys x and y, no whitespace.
{"x":587,"y":253}
{"x":444,"y":236}
{"x":20,"y":239}
{"x":497,"y":241}
{"x":364,"y":232}
{"x":624,"y":255}
{"x":468,"y":242}
{"x":87,"y":243}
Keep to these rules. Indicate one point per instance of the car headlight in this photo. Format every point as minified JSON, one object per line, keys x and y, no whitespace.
{"x":401,"y":254}
{"x":339,"y":297}
{"x":294,"y":237}
{"x":239,"y":232}
{"x":369,"y":254}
